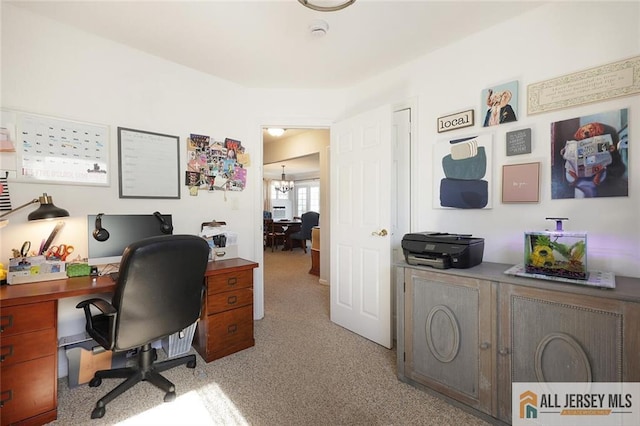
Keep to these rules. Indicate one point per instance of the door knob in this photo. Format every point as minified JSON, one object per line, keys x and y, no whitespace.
{"x":381,"y":233}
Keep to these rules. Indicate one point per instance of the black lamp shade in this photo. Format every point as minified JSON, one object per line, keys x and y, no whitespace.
{"x":47,"y":210}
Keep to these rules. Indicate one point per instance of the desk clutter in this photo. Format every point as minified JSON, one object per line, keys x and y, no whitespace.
{"x":223,"y":244}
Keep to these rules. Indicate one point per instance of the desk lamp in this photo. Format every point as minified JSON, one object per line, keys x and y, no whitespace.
{"x":47,"y":210}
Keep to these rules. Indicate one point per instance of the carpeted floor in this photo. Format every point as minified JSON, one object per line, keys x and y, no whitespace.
{"x":303,"y":370}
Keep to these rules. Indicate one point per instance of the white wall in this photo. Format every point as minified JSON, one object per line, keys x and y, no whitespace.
{"x":545,"y":43}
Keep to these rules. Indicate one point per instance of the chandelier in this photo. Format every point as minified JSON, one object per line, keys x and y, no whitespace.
{"x":284,"y":185}
{"x":332,"y":7}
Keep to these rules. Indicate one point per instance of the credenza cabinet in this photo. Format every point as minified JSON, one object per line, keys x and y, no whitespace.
{"x":468,"y":334}
{"x":226,"y":320}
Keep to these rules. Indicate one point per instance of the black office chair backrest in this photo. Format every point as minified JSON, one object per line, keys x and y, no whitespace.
{"x":159,"y":289}
{"x":309,"y":220}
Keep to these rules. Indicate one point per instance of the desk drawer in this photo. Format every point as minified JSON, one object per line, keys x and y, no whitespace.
{"x":25,"y":318}
{"x":229,"y":281}
{"x":23,"y":347}
{"x":28,"y":389}
{"x":221,"y":302}
{"x":230,"y":330}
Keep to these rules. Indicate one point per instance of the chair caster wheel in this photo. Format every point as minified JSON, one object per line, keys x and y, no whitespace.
{"x":169,"y":396}
{"x":191,"y":364}
{"x":94,"y":383}
{"x":98,"y":413}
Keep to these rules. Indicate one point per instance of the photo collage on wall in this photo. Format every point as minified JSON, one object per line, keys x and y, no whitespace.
{"x":214,"y":165}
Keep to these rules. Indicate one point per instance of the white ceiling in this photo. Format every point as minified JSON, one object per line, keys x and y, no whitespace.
{"x":267,"y":43}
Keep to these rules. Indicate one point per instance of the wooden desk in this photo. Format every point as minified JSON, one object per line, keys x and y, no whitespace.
{"x":29,"y":339}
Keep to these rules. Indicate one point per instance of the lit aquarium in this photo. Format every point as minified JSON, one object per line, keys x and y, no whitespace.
{"x":556,"y":253}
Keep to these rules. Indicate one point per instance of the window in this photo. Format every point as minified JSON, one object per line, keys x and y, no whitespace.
{"x":307,"y":196}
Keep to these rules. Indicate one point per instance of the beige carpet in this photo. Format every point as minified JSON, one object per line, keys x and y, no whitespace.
{"x":304,"y":370}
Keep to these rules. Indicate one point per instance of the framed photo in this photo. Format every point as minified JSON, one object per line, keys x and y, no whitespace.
{"x":521,"y":183}
{"x":149,"y":164}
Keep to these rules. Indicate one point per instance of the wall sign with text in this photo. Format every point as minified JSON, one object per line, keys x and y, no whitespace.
{"x":455,"y":121}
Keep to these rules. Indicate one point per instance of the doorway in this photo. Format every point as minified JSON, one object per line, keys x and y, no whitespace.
{"x":303,"y":151}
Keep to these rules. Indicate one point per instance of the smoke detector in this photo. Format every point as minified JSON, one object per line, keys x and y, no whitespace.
{"x":318,"y":28}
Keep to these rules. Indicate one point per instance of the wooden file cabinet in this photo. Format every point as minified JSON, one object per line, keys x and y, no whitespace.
{"x":29,"y":363}
{"x":226,"y":322}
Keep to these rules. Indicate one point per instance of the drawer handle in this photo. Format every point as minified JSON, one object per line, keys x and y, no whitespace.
{"x":7,"y":351}
{"x":485,"y":345}
{"x":232,"y":328}
{"x":8,"y":398}
{"x":7,"y":321}
{"x":232,"y":300}
{"x":232,"y":281}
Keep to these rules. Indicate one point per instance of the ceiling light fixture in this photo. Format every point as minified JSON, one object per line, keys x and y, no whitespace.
{"x":332,"y":7}
{"x":284,"y":185}
{"x":275,"y":132}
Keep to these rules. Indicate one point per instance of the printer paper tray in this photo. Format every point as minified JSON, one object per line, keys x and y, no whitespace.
{"x":436,"y":262}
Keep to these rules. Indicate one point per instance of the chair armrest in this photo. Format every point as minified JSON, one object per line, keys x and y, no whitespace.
{"x":107,"y":310}
{"x":105,"y":307}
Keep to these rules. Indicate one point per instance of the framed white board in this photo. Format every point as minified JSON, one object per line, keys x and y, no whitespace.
{"x":56,"y":150}
{"x":149,"y":164}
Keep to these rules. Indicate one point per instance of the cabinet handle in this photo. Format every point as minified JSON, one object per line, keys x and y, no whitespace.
{"x":504,"y":351}
{"x":7,"y":351}
{"x":8,"y":398}
{"x":485,"y":345}
{"x":232,"y":328}
{"x":7,"y":321}
{"x":231,"y":300}
{"x":232,"y":281}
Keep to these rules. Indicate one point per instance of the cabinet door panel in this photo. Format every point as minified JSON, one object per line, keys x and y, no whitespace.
{"x":448,"y":336}
{"x":556,"y":342}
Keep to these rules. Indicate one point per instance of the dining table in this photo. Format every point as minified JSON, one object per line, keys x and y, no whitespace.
{"x":290,"y":226}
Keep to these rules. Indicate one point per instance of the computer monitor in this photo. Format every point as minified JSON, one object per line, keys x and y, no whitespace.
{"x":111,"y":234}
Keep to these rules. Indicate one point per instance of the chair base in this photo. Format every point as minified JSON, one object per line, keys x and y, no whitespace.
{"x":145,"y":370}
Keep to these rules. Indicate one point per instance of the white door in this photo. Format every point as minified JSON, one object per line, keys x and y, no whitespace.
{"x":360,"y":254}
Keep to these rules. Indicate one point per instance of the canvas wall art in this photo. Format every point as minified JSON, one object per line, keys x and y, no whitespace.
{"x":590,"y":156}
{"x":462,"y":173}
{"x":500,"y":104}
